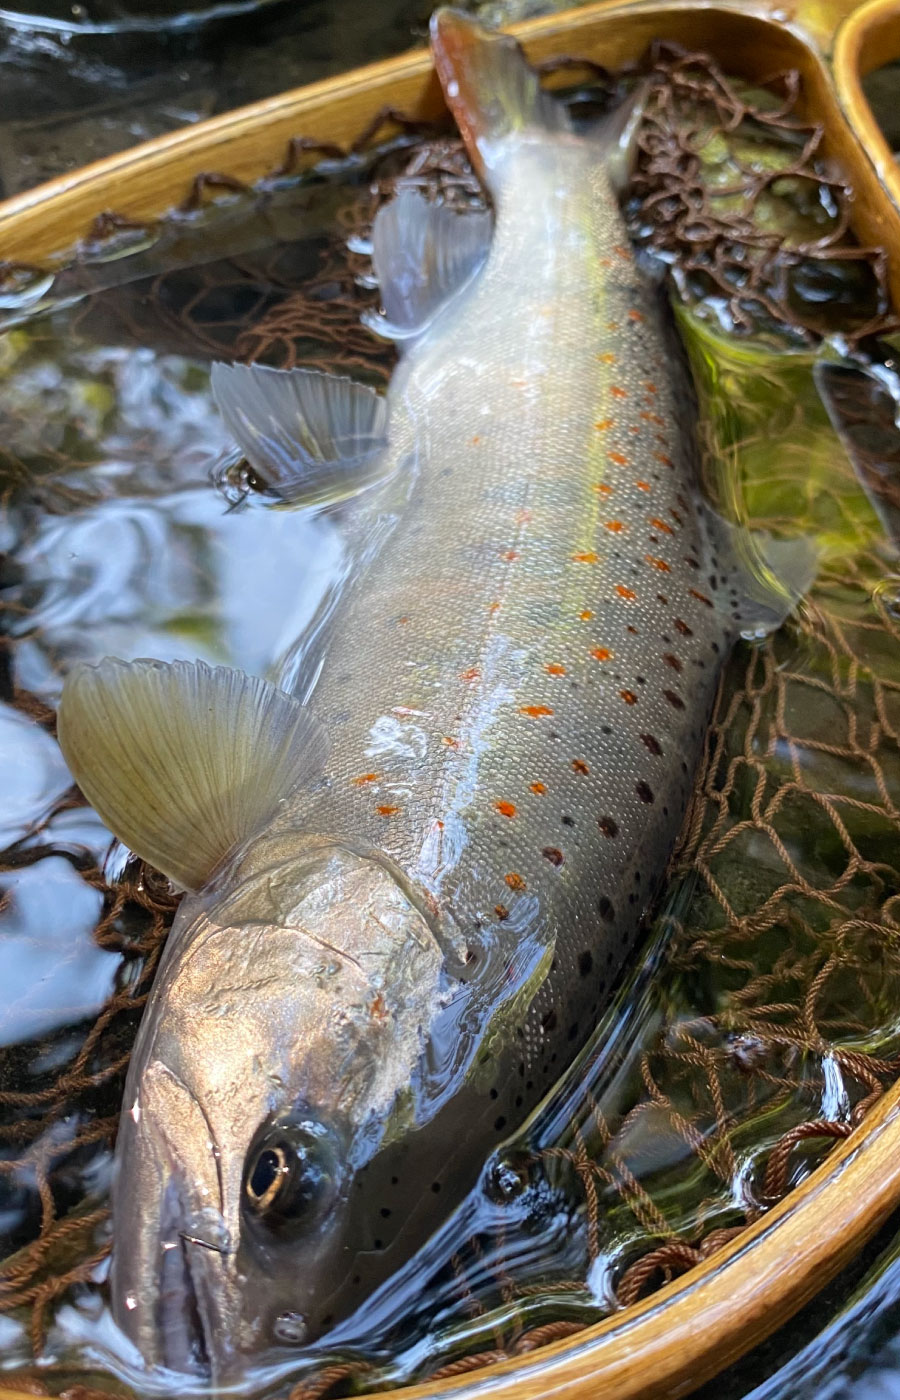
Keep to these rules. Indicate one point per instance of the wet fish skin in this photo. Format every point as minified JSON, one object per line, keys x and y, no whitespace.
{"x":516,"y":691}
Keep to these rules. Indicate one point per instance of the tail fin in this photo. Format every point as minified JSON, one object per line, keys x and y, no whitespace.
{"x":489,"y":86}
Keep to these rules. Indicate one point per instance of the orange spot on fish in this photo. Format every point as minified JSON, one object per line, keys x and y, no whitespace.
{"x":634,"y":428}
{"x":535,"y":711}
{"x":450,"y":741}
{"x":642,"y":485}
{"x":628,"y":696}
{"x":602,"y":654}
{"x":501,"y":911}
{"x":603,"y":425}
{"x":539,"y":788}
{"x":621,"y":252}
{"x":615,"y":526}
{"x":364,"y":778}
{"x":607,"y":358}
{"x":509,"y":556}
{"x":618,"y":393}
{"x":624,"y":592}
{"x":523,"y":517}
{"x":586,"y":615}
{"x":475,"y":440}
{"x":602,"y":489}
{"x":506,"y":809}
{"x":494,"y":607}
{"x":635,"y":315}
{"x":657,"y":564}
{"x":662,"y":457}
{"x":661,"y":525}
{"x":378,"y":1008}
{"x":472,"y":674}
{"x":701,"y":597}
{"x":588,"y":557}
{"x":650,"y":387}
{"x":580,"y":766}
{"x":619,"y":458}
{"x":402,"y":621}
{"x":515,"y":881}
{"x":613,"y":325}
{"x":554,"y":669}
{"x":386,"y":810}
{"x":653,"y":418}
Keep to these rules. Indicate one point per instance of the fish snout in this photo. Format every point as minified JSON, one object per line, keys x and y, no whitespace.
{"x":173,"y":1278}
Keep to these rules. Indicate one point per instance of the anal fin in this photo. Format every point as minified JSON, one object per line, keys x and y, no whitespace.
{"x":183,"y":762}
{"x":423,"y":254}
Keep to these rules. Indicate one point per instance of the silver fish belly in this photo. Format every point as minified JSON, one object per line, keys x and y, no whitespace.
{"x":389,"y":954}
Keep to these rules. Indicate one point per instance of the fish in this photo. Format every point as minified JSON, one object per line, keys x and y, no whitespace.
{"x":411,"y":887}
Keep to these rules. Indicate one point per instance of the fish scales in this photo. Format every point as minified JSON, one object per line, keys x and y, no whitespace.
{"x":387,"y":955}
{"x":518,"y":687}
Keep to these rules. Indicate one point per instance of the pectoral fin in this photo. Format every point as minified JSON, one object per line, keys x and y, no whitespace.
{"x":423,"y":254}
{"x":314,"y":438}
{"x":184,"y":762}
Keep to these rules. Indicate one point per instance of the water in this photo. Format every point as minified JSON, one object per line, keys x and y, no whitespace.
{"x":128,"y":529}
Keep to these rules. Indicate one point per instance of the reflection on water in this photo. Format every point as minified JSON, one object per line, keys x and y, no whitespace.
{"x":53,"y":972}
{"x":117,"y":539}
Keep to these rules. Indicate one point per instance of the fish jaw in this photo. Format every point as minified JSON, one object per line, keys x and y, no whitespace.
{"x":289,"y":1017}
{"x":169,"y":1266}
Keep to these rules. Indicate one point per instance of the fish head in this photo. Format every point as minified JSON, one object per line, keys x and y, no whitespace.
{"x":276,"y":1053}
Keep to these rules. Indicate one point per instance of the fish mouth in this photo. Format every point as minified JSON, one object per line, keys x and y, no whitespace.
{"x":172,"y":1284}
{"x":185,"y":1343}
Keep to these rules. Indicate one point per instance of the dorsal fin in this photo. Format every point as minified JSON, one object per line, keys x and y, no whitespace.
{"x":314,"y":438}
{"x":184,"y":762}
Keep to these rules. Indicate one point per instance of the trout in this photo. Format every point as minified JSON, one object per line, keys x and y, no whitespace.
{"x":409,"y":896}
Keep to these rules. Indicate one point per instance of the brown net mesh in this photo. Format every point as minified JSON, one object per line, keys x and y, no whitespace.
{"x":774,"y":1033}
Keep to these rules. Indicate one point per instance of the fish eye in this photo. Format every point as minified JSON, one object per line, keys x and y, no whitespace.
{"x":290,"y":1178}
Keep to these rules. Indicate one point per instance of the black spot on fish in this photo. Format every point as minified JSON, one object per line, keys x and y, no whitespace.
{"x":585,"y":963}
{"x":672,"y":661}
{"x":608,"y":827}
{"x":385,"y":1212}
{"x":573,"y":1031}
{"x":683,"y":628}
{"x":377,"y":1244}
{"x":548,"y":1021}
{"x":605,"y":909}
{"x":499,"y":1123}
{"x":606,"y":729}
{"x":567,"y":821}
{"x":435,"y":1186}
{"x":674,"y":699}
{"x":652,"y":744}
{"x":553,"y":854}
{"x":395,"y":1181}
{"x":644,"y":791}
{"x":494,"y":1094}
